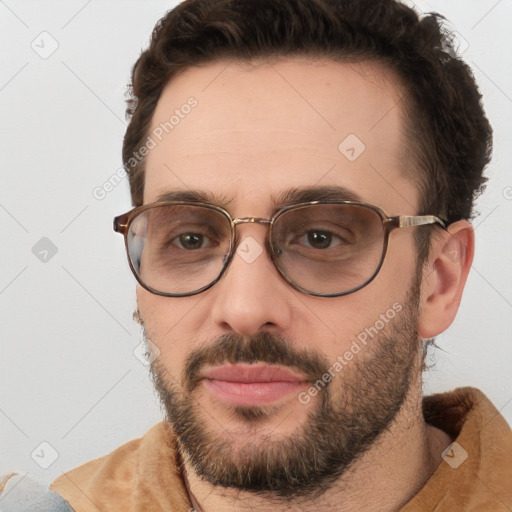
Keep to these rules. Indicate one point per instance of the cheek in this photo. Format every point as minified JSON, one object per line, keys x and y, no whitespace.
{"x":167,"y":323}
{"x":398,"y":272}
{"x":345,"y":319}
{"x":370,"y":309}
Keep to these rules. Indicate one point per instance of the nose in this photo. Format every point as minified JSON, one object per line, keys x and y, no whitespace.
{"x":251,"y":296}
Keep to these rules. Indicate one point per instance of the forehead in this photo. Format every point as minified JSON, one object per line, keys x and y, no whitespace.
{"x":248,"y":132}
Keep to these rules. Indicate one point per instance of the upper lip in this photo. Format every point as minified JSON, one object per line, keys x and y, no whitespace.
{"x":251,"y":373}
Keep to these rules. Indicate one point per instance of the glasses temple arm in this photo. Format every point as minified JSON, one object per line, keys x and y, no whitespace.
{"x":405,"y":221}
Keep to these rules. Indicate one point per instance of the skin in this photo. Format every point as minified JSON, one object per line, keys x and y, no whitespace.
{"x":257,"y":131}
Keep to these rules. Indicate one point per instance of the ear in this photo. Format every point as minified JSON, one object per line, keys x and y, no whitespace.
{"x":444,"y":276}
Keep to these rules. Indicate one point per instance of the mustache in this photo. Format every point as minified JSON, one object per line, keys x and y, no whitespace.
{"x":263,"y":347}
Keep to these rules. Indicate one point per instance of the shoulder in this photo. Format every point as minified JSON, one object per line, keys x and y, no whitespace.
{"x":139,"y":475}
{"x":20,"y":493}
{"x":476,"y":471}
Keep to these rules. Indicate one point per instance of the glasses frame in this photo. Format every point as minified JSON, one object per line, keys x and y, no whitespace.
{"x":123,"y":222}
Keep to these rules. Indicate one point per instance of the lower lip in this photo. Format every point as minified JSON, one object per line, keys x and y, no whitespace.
{"x":252,"y":394}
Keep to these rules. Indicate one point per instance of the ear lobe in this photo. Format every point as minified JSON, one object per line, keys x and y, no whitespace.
{"x":444,"y":276}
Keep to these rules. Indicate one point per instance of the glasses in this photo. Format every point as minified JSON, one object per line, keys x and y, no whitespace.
{"x":325,"y":249}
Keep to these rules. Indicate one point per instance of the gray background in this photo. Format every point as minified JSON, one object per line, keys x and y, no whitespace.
{"x":68,"y":374}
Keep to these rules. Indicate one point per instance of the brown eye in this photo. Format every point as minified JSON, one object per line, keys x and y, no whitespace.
{"x":191,"y":241}
{"x":319,"y":239}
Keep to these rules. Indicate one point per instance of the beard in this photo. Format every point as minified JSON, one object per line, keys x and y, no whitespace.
{"x":350,"y":412}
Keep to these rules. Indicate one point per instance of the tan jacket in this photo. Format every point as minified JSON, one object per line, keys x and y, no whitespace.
{"x":142,"y":475}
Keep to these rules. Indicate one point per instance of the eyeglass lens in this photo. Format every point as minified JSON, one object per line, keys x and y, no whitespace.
{"x":323,"y":248}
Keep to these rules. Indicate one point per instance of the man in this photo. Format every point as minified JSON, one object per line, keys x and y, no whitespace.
{"x":302,"y":172}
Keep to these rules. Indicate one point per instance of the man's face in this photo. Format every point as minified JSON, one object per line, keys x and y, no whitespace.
{"x":237,"y":363}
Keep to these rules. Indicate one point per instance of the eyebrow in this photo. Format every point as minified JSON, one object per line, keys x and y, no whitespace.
{"x":316,"y":193}
{"x":195,"y":196}
{"x":288,"y":197}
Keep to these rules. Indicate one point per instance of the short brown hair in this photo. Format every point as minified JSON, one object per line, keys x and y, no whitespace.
{"x":450,"y":138}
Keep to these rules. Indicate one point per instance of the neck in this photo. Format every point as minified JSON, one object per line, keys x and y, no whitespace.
{"x":382,"y":480}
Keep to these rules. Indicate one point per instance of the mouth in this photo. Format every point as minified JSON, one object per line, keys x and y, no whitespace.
{"x":252,"y":385}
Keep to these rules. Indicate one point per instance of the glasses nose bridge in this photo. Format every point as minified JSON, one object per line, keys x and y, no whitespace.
{"x":251,"y":220}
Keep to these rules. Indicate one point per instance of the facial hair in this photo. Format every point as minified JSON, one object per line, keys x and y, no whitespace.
{"x":351,"y":412}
